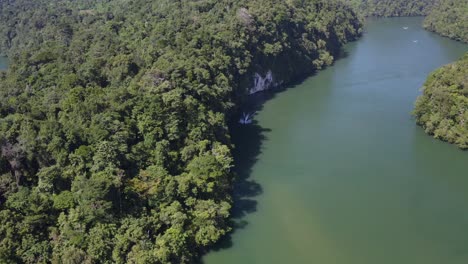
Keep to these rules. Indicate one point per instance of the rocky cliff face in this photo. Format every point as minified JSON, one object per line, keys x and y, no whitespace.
{"x":262,"y":83}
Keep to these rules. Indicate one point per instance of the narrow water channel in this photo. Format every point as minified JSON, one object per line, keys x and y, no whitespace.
{"x":335,"y":171}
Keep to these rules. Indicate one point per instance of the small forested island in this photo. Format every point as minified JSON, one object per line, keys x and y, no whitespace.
{"x":114,"y":115}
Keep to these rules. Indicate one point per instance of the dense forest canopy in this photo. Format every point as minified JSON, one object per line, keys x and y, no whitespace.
{"x":392,"y":8}
{"x":442,"y":109}
{"x":114,"y":144}
{"x":449,"y":18}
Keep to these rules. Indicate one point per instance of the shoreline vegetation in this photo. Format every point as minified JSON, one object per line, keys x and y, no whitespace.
{"x":114,"y":138}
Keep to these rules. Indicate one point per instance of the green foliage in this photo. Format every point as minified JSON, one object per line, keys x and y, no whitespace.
{"x":443,"y":108}
{"x":113,"y":120}
{"x":393,"y":8}
{"x":449,"y":18}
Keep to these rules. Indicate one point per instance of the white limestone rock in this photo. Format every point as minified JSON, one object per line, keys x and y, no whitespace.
{"x":262,"y":83}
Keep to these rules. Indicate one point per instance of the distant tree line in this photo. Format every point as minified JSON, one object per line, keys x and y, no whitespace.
{"x":392,"y":8}
{"x":449,"y":18}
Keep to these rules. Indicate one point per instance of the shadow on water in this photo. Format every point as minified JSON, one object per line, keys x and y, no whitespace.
{"x":248,"y":140}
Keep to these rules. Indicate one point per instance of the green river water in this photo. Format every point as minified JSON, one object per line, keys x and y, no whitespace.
{"x":335,"y":170}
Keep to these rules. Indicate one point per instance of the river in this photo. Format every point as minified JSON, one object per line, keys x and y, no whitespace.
{"x":335,"y":170}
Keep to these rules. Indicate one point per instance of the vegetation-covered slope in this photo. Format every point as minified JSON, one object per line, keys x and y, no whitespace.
{"x":449,"y":18}
{"x":393,"y":8}
{"x":114,"y":146}
{"x":442,"y":109}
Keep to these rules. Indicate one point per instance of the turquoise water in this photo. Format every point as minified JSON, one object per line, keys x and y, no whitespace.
{"x":335,"y":171}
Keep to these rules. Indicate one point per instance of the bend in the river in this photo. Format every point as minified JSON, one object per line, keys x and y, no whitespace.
{"x":335,"y":170}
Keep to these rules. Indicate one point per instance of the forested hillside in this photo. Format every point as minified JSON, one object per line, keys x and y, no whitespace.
{"x":26,"y":23}
{"x":449,"y":18}
{"x":393,"y":8}
{"x":113,"y":120}
{"x":443,"y":108}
